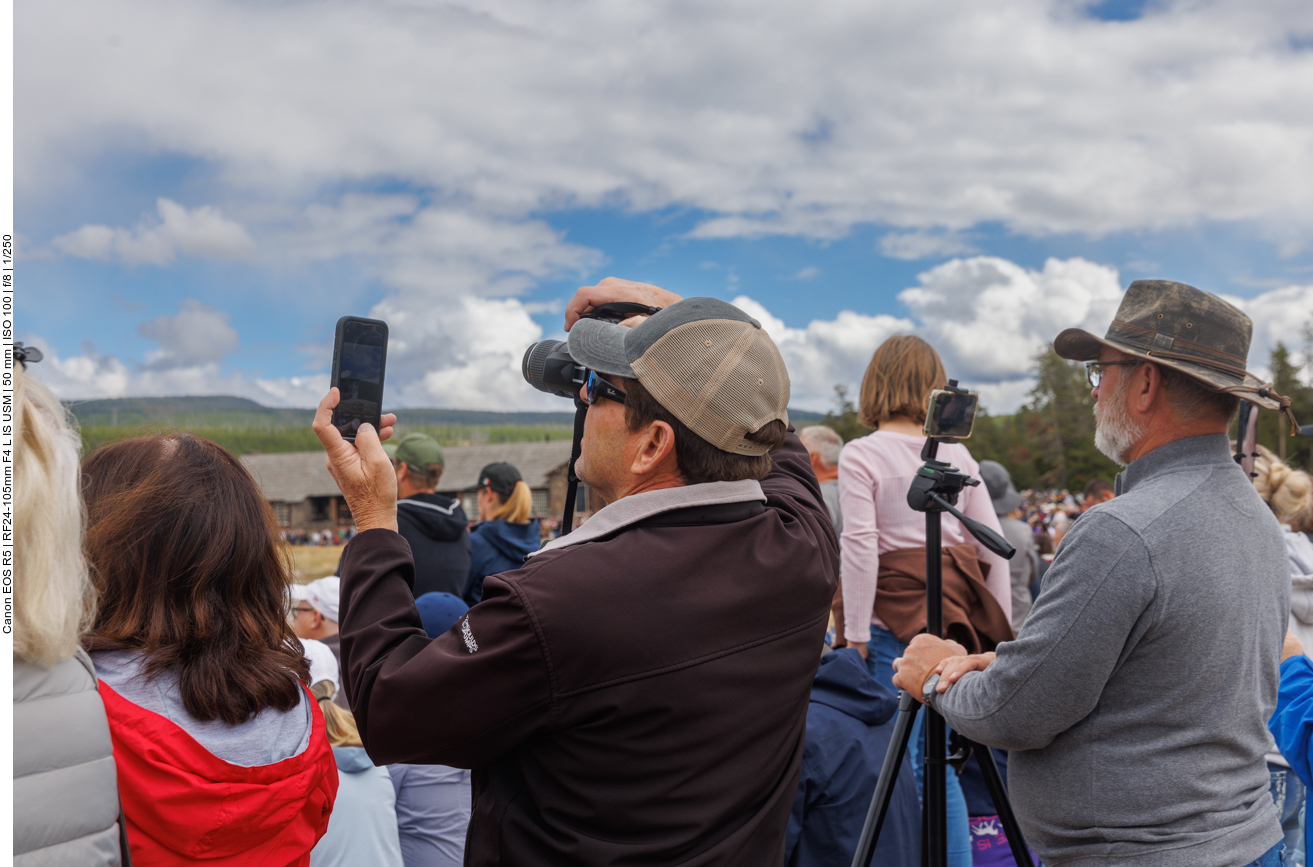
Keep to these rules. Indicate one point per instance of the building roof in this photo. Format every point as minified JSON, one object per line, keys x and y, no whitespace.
{"x":290,"y":477}
{"x":535,"y":461}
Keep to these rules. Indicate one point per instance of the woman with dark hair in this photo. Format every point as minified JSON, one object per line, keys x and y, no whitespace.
{"x":222,"y":756}
{"x":506,"y":534}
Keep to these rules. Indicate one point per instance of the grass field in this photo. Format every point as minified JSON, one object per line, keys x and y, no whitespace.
{"x":313,"y":561}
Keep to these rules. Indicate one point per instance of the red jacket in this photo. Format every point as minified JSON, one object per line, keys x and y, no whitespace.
{"x":184,"y":805}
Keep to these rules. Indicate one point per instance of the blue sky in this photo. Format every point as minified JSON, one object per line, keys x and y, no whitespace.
{"x":195,"y":222}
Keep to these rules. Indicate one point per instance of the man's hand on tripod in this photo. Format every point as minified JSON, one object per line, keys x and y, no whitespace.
{"x":919,"y":661}
{"x":953,"y":668}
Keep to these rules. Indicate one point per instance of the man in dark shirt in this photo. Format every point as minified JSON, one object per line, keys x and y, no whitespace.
{"x":434,"y":525}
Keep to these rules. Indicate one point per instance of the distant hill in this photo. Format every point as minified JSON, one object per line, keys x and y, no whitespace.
{"x":211,"y":412}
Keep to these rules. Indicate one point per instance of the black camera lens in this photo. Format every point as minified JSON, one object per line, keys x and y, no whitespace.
{"x":548,"y":367}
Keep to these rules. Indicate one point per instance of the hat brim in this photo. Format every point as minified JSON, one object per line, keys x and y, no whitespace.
{"x":600,"y":346}
{"x":1010,"y":501}
{"x":1077,"y":344}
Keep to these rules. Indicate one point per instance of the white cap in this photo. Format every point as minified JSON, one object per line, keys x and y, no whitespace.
{"x":322,"y":594}
{"x":323,"y":664}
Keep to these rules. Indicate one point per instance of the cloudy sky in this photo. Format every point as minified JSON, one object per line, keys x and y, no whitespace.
{"x":203,"y":188}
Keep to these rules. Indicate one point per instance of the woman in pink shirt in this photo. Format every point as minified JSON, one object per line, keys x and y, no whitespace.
{"x":875,"y":472}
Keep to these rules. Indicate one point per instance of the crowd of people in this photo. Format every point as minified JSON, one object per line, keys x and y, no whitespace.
{"x":707,"y":670}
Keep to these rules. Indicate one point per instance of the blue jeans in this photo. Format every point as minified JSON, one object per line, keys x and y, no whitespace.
{"x":881,"y":651}
{"x":1288,"y":794}
{"x":1274,"y":857}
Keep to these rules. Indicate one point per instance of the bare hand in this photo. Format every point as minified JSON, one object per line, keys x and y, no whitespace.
{"x":955,"y":666}
{"x":1291,"y":647}
{"x":613,"y":289}
{"x":917,"y":663}
{"x":363,"y":470}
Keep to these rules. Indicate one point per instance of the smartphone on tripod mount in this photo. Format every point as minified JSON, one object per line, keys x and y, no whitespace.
{"x":951,"y":412}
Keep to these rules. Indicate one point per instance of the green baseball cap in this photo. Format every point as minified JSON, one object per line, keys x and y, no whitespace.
{"x":419,"y":452}
{"x":390,"y":449}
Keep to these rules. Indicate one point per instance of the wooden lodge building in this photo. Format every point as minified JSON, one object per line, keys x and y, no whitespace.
{"x":305,"y":497}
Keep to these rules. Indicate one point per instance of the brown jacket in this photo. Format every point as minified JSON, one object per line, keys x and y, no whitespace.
{"x":638,"y":698}
{"x":972,"y":616}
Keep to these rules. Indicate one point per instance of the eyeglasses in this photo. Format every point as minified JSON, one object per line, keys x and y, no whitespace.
{"x":595,"y":387}
{"x":1094,"y":369}
{"x":299,"y":610}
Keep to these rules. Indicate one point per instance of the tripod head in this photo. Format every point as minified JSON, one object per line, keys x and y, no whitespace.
{"x":935,"y":488}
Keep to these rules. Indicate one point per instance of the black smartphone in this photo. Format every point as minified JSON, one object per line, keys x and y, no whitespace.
{"x":360,"y":353}
{"x":951,"y":414}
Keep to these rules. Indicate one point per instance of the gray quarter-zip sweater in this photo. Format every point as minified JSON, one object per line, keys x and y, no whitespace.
{"x":1136,"y":697}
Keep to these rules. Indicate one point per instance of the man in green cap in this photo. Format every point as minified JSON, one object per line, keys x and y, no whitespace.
{"x":1136,"y":696}
{"x":434,"y":525}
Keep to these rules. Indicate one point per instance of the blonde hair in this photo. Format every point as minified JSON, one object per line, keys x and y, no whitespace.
{"x":339,"y":722}
{"x":54,"y":599}
{"x":516,"y":508}
{"x":898,"y":381}
{"x":1287,"y":491}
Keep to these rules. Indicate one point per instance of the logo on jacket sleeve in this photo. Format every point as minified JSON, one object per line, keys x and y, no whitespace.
{"x":470,"y":644}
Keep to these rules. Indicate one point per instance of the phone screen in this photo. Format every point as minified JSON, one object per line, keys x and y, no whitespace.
{"x":359,"y":359}
{"x":950,"y":415}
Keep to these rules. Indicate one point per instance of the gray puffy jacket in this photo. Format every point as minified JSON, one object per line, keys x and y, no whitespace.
{"x":66,"y":799}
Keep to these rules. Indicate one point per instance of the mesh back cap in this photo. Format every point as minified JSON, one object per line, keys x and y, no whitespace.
{"x":708,"y":363}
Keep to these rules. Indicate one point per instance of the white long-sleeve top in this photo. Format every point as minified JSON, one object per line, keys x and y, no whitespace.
{"x":875,"y":472}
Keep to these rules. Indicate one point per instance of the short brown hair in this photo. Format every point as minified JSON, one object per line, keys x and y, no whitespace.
{"x":898,"y":381}
{"x":1097,"y":488}
{"x":1191,"y":399}
{"x":699,"y":461}
{"x":186,"y":559}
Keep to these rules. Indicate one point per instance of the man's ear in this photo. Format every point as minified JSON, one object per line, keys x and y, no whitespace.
{"x":656,"y":448}
{"x":1145,"y":388}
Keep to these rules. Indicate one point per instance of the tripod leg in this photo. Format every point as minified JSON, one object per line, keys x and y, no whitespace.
{"x":884,"y":787}
{"x":994,"y":782}
{"x":935,"y":791}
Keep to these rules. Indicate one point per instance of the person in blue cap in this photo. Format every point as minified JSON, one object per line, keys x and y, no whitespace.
{"x":433,"y":801}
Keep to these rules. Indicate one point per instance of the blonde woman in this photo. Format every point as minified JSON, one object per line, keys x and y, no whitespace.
{"x":66,"y":808}
{"x":363,"y":827}
{"x":506,"y":534}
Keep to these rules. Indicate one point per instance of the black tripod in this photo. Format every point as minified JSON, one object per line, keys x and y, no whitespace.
{"x":934,"y":491}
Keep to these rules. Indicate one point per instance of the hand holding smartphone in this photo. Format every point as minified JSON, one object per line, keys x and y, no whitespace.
{"x":360,"y":349}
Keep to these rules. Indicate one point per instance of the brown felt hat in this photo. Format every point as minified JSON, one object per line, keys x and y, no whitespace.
{"x":1186,"y":329}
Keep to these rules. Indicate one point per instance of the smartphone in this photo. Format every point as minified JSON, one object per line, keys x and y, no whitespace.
{"x":360,"y":352}
{"x":951,"y":414}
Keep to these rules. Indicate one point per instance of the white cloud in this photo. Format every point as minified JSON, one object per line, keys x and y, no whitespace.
{"x":203,"y":232}
{"x":771,"y":116}
{"x":923,"y":245}
{"x":91,"y":375}
{"x":1279,"y":316}
{"x":826,"y":352}
{"x":197,"y":335}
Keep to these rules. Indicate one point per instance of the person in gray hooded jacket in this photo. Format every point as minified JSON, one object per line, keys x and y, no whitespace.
{"x":1136,"y":698}
{"x":66,"y":806}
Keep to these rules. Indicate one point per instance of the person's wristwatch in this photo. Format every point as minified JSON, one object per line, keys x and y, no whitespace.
{"x":928,"y":688}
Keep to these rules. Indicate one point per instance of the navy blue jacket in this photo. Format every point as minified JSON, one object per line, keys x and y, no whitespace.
{"x":496,"y":547}
{"x":849,"y":723}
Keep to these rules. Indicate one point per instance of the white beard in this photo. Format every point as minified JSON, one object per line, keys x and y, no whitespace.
{"x":1114,"y":433}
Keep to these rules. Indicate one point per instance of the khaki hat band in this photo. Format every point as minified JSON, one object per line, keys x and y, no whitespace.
{"x":1173,"y":341}
{"x":1194,"y":359}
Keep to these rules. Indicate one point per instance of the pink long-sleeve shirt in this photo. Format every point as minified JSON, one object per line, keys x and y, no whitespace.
{"x":874,"y":475}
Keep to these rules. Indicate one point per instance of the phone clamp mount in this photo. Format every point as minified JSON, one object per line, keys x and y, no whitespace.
{"x":934,"y":490}
{"x":548,"y":366}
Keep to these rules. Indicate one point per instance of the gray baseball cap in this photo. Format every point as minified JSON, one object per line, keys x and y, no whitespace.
{"x":706,"y":361}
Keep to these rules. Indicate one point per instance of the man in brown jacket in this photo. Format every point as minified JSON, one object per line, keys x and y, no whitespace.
{"x":637,"y":692}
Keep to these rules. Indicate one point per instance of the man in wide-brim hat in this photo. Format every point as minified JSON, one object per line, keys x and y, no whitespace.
{"x":1137,"y":694}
